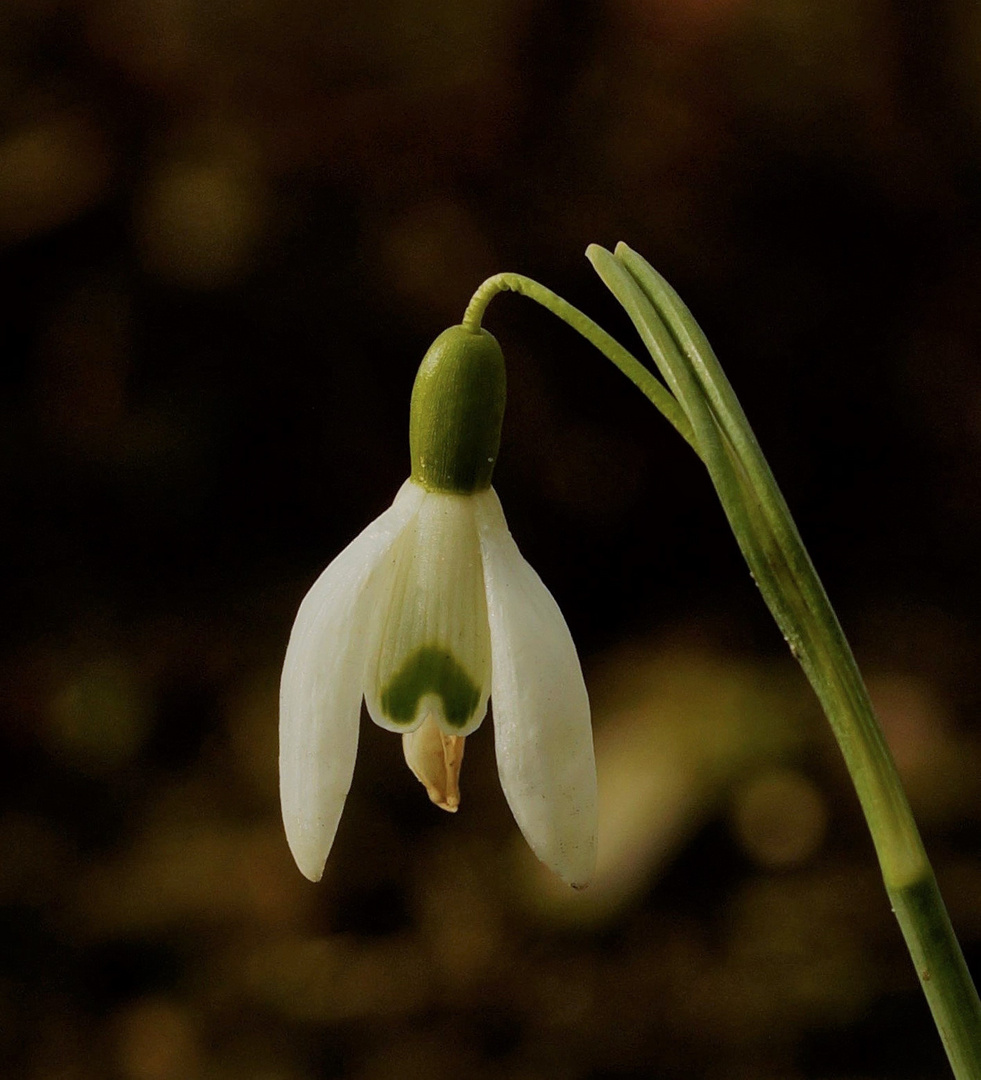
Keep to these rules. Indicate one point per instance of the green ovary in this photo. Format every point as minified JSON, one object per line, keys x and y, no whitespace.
{"x":431,"y":670}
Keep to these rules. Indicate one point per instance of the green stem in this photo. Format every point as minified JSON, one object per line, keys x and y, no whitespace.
{"x":591,"y":331}
{"x":702,"y":406}
{"x":778,"y":559}
{"x":771,"y":544}
{"x":939,"y":962}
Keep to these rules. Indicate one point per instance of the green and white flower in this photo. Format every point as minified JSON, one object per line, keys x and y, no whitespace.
{"x":427,"y":614}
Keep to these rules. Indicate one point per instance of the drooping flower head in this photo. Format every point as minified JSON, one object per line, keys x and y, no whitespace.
{"x":427,"y":614}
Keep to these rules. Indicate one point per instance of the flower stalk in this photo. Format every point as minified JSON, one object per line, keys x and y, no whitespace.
{"x":700,"y":403}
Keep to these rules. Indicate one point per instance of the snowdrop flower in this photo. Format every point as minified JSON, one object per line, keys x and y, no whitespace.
{"x":427,"y":614}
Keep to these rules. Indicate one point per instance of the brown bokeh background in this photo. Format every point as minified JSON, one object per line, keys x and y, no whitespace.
{"x":228,"y":232}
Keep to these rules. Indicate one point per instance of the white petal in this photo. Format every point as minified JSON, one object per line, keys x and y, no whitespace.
{"x":321,"y":689}
{"x":429,"y":642}
{"x":542,"y":728}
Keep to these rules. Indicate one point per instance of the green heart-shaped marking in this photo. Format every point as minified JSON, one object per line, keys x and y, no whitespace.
{"x":431,"y":670}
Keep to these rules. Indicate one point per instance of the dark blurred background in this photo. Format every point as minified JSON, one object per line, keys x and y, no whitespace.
{"x":228,"y":232}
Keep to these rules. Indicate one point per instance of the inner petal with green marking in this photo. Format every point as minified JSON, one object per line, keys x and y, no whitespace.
{"x":429,"y":638}
{"x":431,"y":671}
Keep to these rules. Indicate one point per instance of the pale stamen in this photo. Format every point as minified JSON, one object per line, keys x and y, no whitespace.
{"x":435,"y":759}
